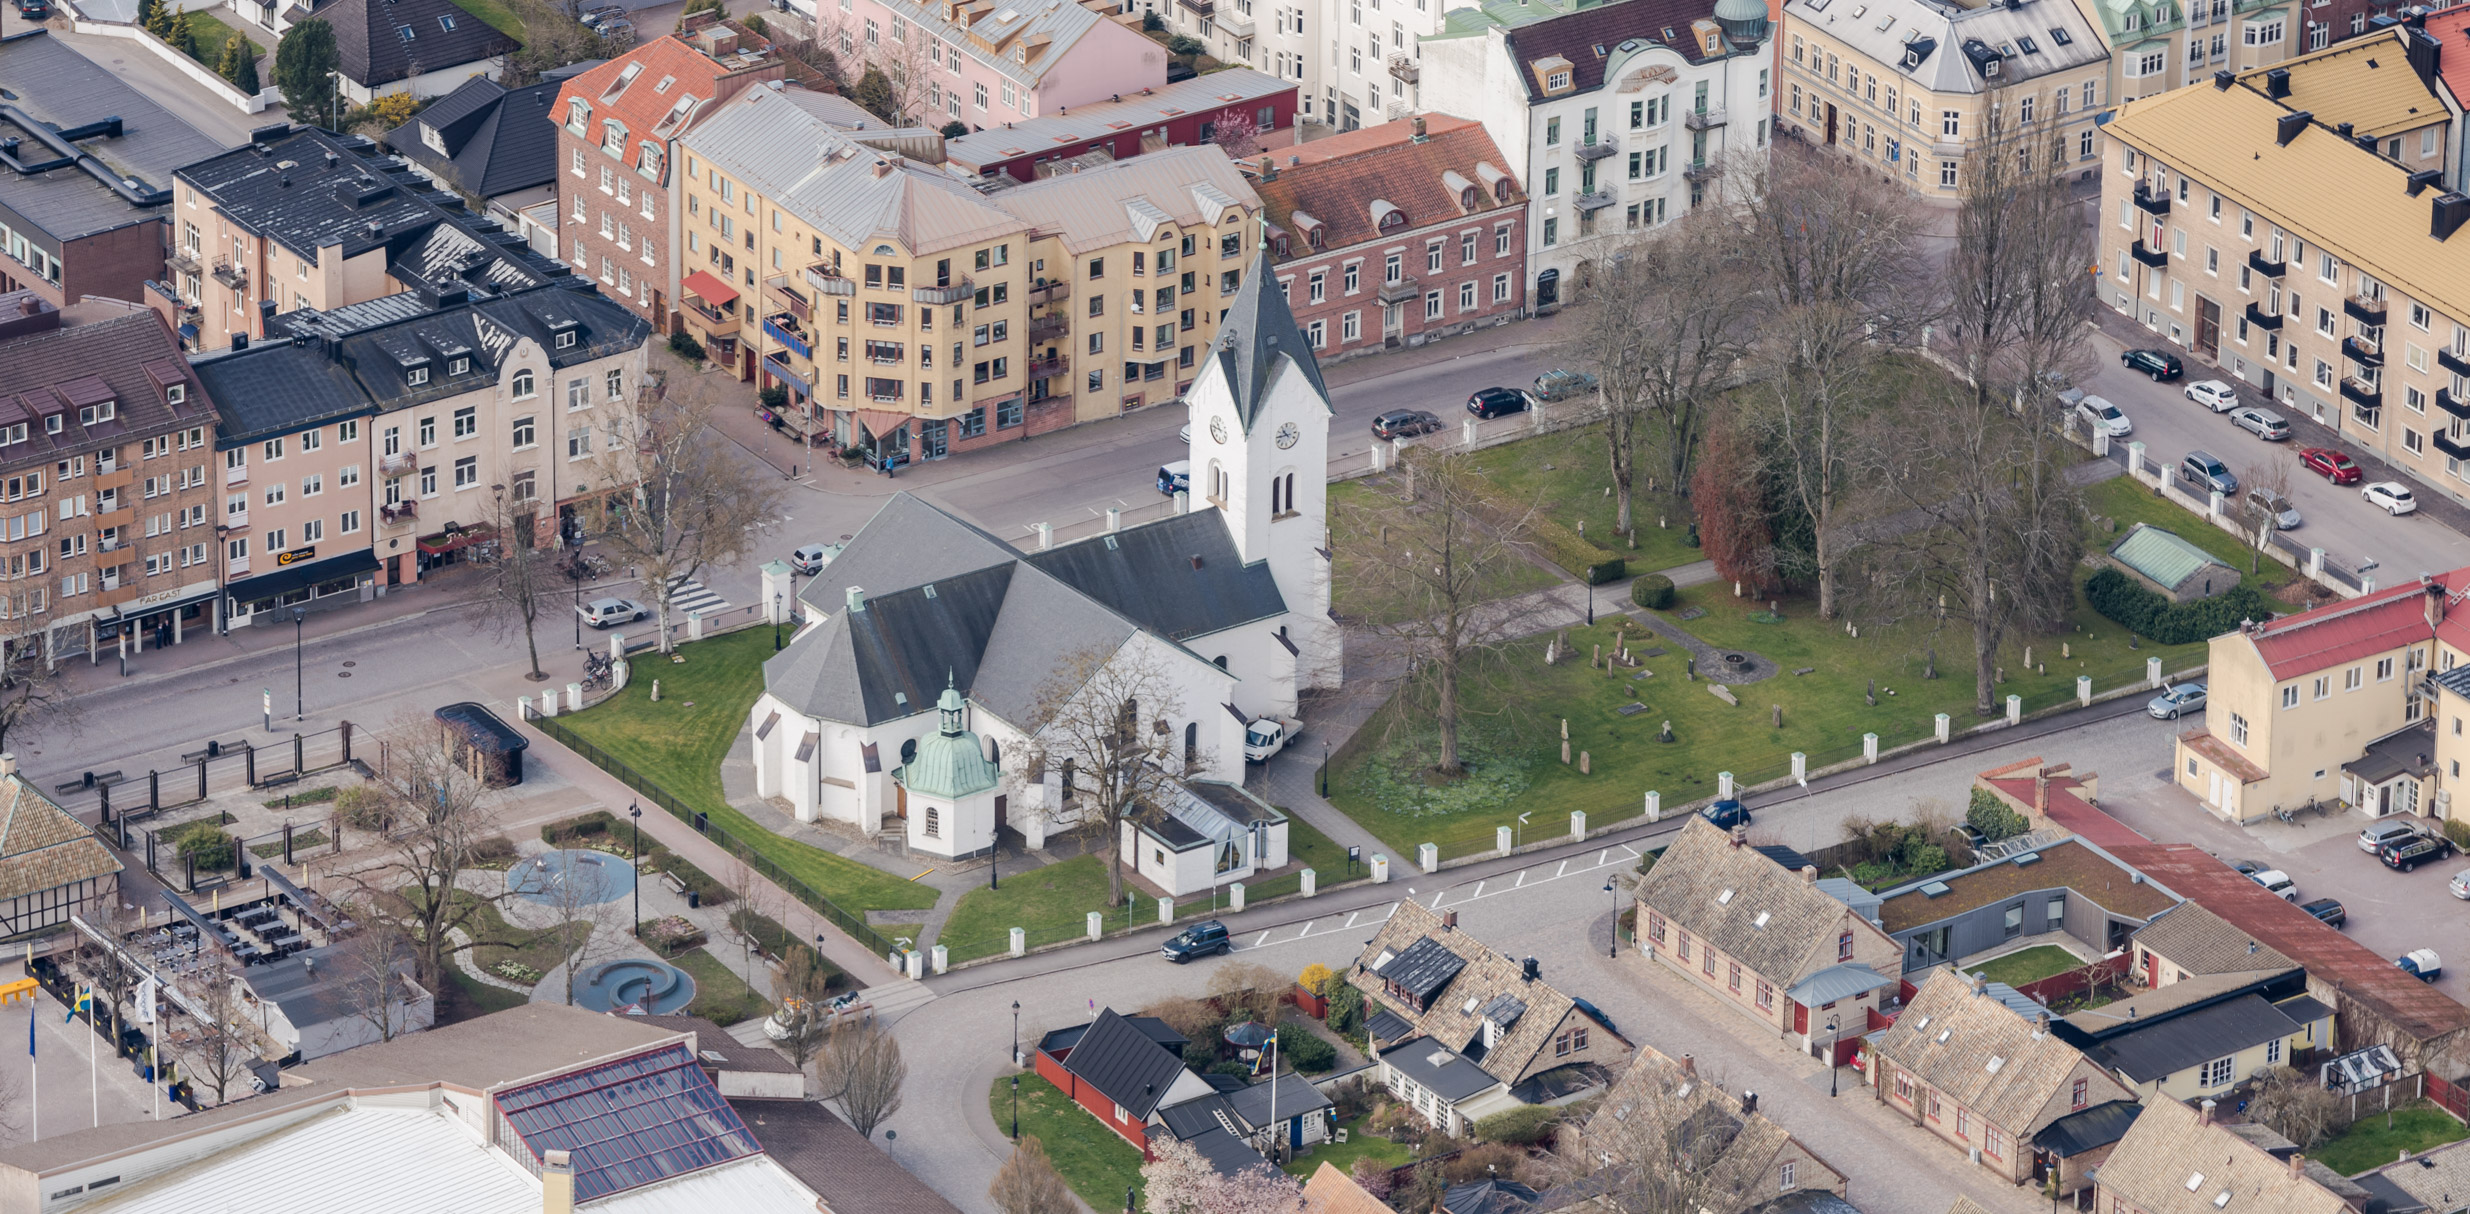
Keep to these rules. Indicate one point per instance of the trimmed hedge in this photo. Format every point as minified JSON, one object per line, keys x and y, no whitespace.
{"x":1653,"y":591}
{"x":1524,"y":1124}
{"x":1577,"y":554}
{"x":2122,"y":600}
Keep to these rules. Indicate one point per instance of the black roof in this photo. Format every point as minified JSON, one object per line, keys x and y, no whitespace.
{"x":1782,"y":855}
{"x":1575,"y":36}
{"x":1386,"y":1025}
{"x":1228,"y":1154}
{"x":2085,"y":1129}
{"x":1124,"y":1064}
{"x":2167,"y":1047}
{"x":1296,"y":1097}
{"x":382,"y":41}
{"x":482,"y":728}
{"x":495,"y":141}
{"x":1423,"y":969}
{"x":1159,"y":1031}
{"x":277,"y":388}
{"x":909,"y":642}
{"x":55,"y":85}
{"x":1233,"y":801}
{"x":1487,"y":1197}
{"x":1252,"y":336}
{"x":1505,"y":1009}
{"x":1439,"y":1069}
{"x":1178,"y":577}
{"x":1193,"y":1118}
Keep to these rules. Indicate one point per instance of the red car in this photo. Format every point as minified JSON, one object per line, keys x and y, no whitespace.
{"x":2330,"y":464}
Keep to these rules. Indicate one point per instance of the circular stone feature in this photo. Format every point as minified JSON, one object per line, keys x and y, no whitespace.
{"x":1736,"y":659}
{"x":655,"y":986}
{"x":571,"y":878}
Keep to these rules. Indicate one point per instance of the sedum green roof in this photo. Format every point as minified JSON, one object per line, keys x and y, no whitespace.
{"x":2160,"y":555}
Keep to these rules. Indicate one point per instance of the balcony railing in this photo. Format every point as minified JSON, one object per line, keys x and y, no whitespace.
{"x":2262,"y":319}
{"x":1697,"y":171}
{"x":235,"y":277}
{"x":1235,"y":24}
{"x":1399,"y":291}
{"x":2367,"y":309}
{"x":2457,"y":448}
{"x":827,"y":280}
{"x":235,"y":519}
{"x":1041,"y":368}
{"x":400,"y":463}
{"x":2363,"y":392}
{"x":1200,"y":8}
{"x":1699,"y":120}
{"x":2457,"y":363}
{"x":1048,"y":328}
{"x":236,"y":476}
{"x":779,"y":327}
{"x":777,"y":288}
{"x":2452,"y":404}
{"x":722,"y":321}
{"x":239,"y":566}
{"x":2152,"y":201}
{"x":1405,"y":69}
{"x":2270,"y":267}
{"x":2362,"y":351}
{"x":1049,"y":292}
{"x":951,"y":293}
{"x":1597,"y":149}
{"x":396,"y":514}
{"x":183,"y":260}
{"x":2156,"y":258}
{"x":1593,"y":201}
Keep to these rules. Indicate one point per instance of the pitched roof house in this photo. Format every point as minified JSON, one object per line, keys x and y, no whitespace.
{"x":427,"y":48}
{"x":51,"y":865}
{"x":1975,"y":1063}
{"x":1476,"y":1027}
{"x":1661,"y":1108}
{"x":487,"y":141}
{"x":2179,"y":1160}
{"x":1128,"y":1071}
{"x":1774,"y":943}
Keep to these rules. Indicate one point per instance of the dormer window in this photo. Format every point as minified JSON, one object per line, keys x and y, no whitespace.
{"x":613,"y":136}
{"x":176,"y":394}
{"x":52,"y":423}
{"x":457,"y":366}
{"x":1466,"y":198}
{"x":416,"y":376}
{"x":1315,"y":237}
{"x":578,"y":115}
{"x":566,"y":339}
{"x":1282,"y":246}
{"x":1556,"y":82}
{"x":90,"y":414}
{"x":650,"y":161}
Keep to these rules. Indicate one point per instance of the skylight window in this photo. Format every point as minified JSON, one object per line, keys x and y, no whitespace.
{"x":1761,"y":921}
{"x":1469,"y":1007}
{"x":2061,"y":37}
{"x":2030,"y":47}
{"x":2221,"y":1199}
{"x":404,"y":31}
{"x":1724,"y":899}
{"x":446,"y":21}
{"x":1996,"y":1061}
{"x":664,"y":84}
{"x":2194,"y":1181}
{"x":1945,"y":1033}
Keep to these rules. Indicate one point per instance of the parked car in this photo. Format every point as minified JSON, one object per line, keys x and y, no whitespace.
{"x":2332,"y":465}
{"x":2327,"y":911}
{"x":2213,"y":394}
{"x":2269,"y":502}
{"x":1266,"y":736}
{"x":2377,"y":834}
{"x":811,"y":558}
{"x":2405,"y":854}
{"x":2246,"y":868}
{"x":1727,"y":814}
{"x":2263,"y":423}
{"x":2160,"y":364}
{"x":2422,"y":964}
{"x":604,"y":613}
{"x":1497,"y":402}
{"x":785,"y":1022}
{"x":1175,"y":478}
{"x":2392,"y":497}
{"x":2461,"y":885}
{"x":2104,"y":417}
{"x":2176,"y":700}
{"x":1404,"y":423}
{"x":2277,"y":883}
{"x":34,"y":10}
{"x":2204,"y":472}
{"x":1198,"y":940}
{"x":1562,"y":384}
{"x":601,"y":14}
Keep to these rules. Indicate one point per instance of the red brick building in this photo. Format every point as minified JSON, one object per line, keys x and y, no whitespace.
{"x":1396,"y":234}
{"x":1181,"y":114}
{"x":618,"y":126}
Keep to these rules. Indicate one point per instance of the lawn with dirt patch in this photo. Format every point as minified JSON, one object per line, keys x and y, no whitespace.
{"x":2380,"y":1138}
{"x":2128,"y":502}
{"x":500,"y":16}
{"x":1095,"y":1161}
{"x":1361,"y":1143}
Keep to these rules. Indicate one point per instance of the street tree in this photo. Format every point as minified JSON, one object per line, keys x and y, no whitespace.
{"x":804,"y":987}
{"x":674,"y":496}
{"x":1100,"y":721}
{"x":1423,"y":559}
{"x":437,"y":815}
{"x":1027,"y":1183}
{"x":374,"y":966}
{"x":1666,"y":320}
{"x":302,"y":61}
{"x":2017,"y":284}
{"x":218,"y":1048}
{"x":523,"y":582}
{"x":2263,"y":493}
{"x":35,"y":698}
{"x":1235,"y":133}
{"x":1178,"y":1180}
{"x":860,"y":1072}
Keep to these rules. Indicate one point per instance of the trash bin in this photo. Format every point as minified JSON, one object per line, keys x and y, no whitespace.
{"x":694,"y":899}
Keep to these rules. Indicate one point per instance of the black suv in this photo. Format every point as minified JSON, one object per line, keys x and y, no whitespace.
{"x":2328,"y":910}
{"x":2408,"y":853}
{"x":2160,"y":364}
{"x":1727,"y":814}
{"x":1404,"y":423}
{"x":1198,"y":940}
{"x":1497,"y":402}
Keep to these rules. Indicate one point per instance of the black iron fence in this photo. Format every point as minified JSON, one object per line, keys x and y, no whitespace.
{"x":110,"y":797}
{"x":854,"y":924}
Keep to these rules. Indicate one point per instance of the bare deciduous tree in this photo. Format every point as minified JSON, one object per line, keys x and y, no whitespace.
{"x":438,"y":814}
{"x":2295,"y":1105}
{"x":1102,"y":719}
{"x":523,"y":582}
{"x":2263,"y":493}
{"x":803,"y":985}
{"x":374,"y":971}
{"x":2017,"y":285}
{"x":860,"y":1072}
{"x":695,"y":502}
{"x":587,"y":914}
{"x":217,"y":1049}
{"x":1027,"y":1183}
{"x":34,"y":693}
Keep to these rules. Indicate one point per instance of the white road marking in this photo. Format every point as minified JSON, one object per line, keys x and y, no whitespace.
{"x":1350,"y":919}
{"x":1479,"y":890}
{"x":1599,"y":857}
{"x":1522,"y":878}
{"x":1263,"y":940}
{"x":1561,"y":870}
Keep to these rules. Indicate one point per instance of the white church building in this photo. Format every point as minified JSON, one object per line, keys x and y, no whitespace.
{"x":931,"y":644}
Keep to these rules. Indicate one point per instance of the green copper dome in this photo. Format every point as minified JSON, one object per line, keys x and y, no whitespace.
{"x":951,"y":764}
{"x":1744,"y":21}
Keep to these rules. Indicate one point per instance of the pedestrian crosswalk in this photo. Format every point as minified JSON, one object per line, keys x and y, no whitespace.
{"x":686,"y":595}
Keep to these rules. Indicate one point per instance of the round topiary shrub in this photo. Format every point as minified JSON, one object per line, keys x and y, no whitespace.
{"x":1652,"y":591}
{"x":209,"y":845}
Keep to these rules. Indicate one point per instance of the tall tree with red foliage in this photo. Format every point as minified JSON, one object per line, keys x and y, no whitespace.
{"x":1729,"y":492}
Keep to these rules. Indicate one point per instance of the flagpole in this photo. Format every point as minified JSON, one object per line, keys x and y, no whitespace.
{"x":94,"y":1077}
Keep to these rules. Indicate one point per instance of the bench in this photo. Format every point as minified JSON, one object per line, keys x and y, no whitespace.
{"x":101,"y":779}
{"x":279,"y":779}
{"x":675,"y":886}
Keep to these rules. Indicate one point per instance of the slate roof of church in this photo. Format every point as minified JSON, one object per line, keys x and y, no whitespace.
{"x":1258,"y":341}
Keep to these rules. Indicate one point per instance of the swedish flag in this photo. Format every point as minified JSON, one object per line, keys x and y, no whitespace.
{"x":85,"y":1002}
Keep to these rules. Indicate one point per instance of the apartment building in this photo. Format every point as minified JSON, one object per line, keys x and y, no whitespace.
{"x":301,"y":218}
{"x":2288,"y":247}
{"x":1396,"y":234}
{"x":617,"y":131}
{"x":983,"y":63}
{"x":106,"y":501}
{"x":908,"y":315}
{"x":1618,"y":118}
{"x":1910,"y":89}
{"x":1181,"y":114}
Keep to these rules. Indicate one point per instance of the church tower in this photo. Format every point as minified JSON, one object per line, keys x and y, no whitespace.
{"x":1260,"y":455}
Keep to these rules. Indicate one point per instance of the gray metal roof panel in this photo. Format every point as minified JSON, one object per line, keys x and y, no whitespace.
{"x":497,"y":141}
{"x":1109,"y":119}
{"x":1885,"y":25}
{"x":55,"y":84}
{"x":1438,"y":1068}
{"x":2167,"y":1047}
{"x":1179,"y":577}
{"x":271,"y":389}
{"x":1296,"y":1096}
{"x":1258,"y":341}
{"x":2081,"y":1131}
{"x":1837,"y":982}
{"x":1423,"y":969}
{"x":1196,"y":1117}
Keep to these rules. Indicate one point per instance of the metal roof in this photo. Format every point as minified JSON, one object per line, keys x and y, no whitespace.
{"x":56,"y":85}
{"x":2163,"y":1048}
{"x":752,"y":1185}
{"x":367,"y":1158}
{"x":2367,"y":82}
{"x":1438,"y":1068}
{"x":1837,"y":982}
{"x":2163,"y":556}
{"x":1127,"y":201}
{"x":629,"y":1123}
{"x":1146,"y":110}
{"x":1426,"y":966}
{"x":1124,"y":1064}
{"x":1885,"y":31}
{"x":2082,"y":1131}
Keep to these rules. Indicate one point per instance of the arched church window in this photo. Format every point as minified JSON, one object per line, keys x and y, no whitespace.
{"x":1192,"y":741}
{"x":1220,"y":660}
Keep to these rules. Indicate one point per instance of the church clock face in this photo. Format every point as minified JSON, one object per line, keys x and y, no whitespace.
{"x":1287,"y":434}
{"x":1217,"y":430}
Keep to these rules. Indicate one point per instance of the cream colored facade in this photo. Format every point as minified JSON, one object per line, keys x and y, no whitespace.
{"x":2296,"y":732}
{"x":2213,"y":1079}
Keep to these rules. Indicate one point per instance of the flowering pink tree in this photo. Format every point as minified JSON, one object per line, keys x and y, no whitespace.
{"x":1234,"y":131}
{"x":1179,"y":1181}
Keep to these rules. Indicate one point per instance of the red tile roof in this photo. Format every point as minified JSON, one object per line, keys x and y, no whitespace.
{"x":2328,"y":956}
{"x":1339,"y":185}
{"x":2068,"y":808}
{"x":2341,"y":633}
{"x":2204,"y":743}
{"x":638,"y":105}
{"x":2448,"y":26}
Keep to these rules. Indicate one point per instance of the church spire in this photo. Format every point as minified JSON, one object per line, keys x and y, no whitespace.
{"x":1257,"y":330}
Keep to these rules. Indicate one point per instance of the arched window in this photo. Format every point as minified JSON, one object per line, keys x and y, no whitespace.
{"x":578,"y":115}
{"x":522,"y":384}
{"x":1192,"y":742}
{"x":613,"y":136}
{"x":1466,"y":198}
{"x":1316,"y":239}
{"x":1220,"y":660}
{"x":1290,"y":493}
{"x":1068,"y":785}
{"x":1395,"y":218}
{"x":994,"y":751}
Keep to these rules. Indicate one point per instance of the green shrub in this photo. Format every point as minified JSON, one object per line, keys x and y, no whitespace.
{"x":206,"y":844}
{"x":1150,"y":22}
{"x":1928,"y":858}
{"x":1346,"y":1008}
{"x":1231,"y":1067}
{"x":2458,"y":832}
{"x":593,"y":827}
{"x":1577,"y":554}
{"x":1201,"y":1053}
{"x":1652,"y":591}
{"x":774,"y":398}
{"x":361,"y":808}
{"x":1527,"y":1123}
{"x":2122,"y":600}
{"x":1992,"y":818}
{"x":684,"y":345}
{"x":314,"y":796}
{"x":1304,"y":1051}
{"x":1183,"y":44}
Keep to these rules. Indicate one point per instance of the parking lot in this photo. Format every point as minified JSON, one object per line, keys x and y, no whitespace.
{"x":2390,"y":912}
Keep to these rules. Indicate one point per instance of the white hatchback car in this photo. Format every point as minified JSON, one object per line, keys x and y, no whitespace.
{"x":2103,"y":417}
{"x":2213,"y":394}
{"x":2392,"y":497}
{"x":2277,"y":883}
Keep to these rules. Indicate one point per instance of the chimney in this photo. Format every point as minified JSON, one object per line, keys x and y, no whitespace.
{"x":2287,"y":127}
{"x":857,"y":599}
{"x":1740,"y":835}
{"x":2041,"y":1024}
{"x":1527,"y":969}
{"x":2041,"y":793}
{"x":1419,"y":128}
{"x":2435,"y":603}
{"x":8,"y":763}
{"x":2298,"y":1165}
{"x":2451,"y":208}
{"x":557,"y":1183}
{"x":2222,"y":80}
{"x":1689,"y":1065}
{"x":2207,"y":1108}
{"x":2277,"y":83}
{"x":1449,"y":921}
{"x":240,"y":341}
{"x":2344,"y":128}
{"x":1809,"y":874}
{"x":1981,"y":984}
{"x":1269,"y":168}
{"x":1749,"y":1103}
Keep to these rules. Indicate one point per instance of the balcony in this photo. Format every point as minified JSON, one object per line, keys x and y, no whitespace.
{"x":1400,"y":291}
{"x":1199,"y":8}
{"x":400,"y":463}
{"x":953,"y":293}
{"x":1699,"y":120}
{"x":1041,"y":368}
{"x":1235,"y":24}
{"x":2270,"y":267}
{"x":2156,"y":258}
{"x":397,"y":514}
{"x":2452,"y":404}
{"x":718,"y":322}
{"x":184,"y":260}
{"x":823,"y":278}
{"x":1697,"y":171}
{"x":2262,"y":319}
{"x":2453,"y":360}
{"x":1049,"y":292}
{"x":237,"y":567}
{"x":1404,"y":69}
{"x":235,"y":277}
{"x":777,"y":289}
{"x":2363,"y":392}
{"x":235,"y":520}
{"x":782,"y":328}
{"x":1048,"y":328}
{"x":2152,"y":201}
{"x":236,"y":476}
{"x":2366,"y":309}
{"x":1596,"y":149}
{"x":2457,"y":448}
{"x":1593,"y":201}
{"x":2362,"y":351}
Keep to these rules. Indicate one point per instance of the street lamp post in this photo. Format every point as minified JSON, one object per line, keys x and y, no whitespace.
{"x":634,"y":809}
{"x":1832,"y":1032}
{"x":300,"y":686}
{"x":1613,"y":947}
{"x":1016,"y":1062}
{"x":1016,"y":1108}
{"x":776,"y":623}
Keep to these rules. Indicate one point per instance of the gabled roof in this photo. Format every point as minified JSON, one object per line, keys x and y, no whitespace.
{"x":1778,"y":925}
{"x":2088,"y":1129}
{"x":1178,"y":577}
{"x":1469,"y":977}
{"x":41,"y":846}
{"x":2344,"y":632}
{"x":1660,"y":1108}
{"x":1982,"y":1051}
{"x":1575,"y":36}
{"x":657,"y":90}
{"x":1127,"y":201}
{"x":844,"y":1167}
{"x":2202,"y":944}
{"x":1331,"y":1191}
{"x":2447,"y":27}
{"x":382,"y":41}
{"x":494,"y":141}
{"x":1338,"y":186}
{"x":127,"y":359}
{"x":2171,"y":1161}
{"x":1296,"y":1096}
{"x":1944,"y":47}
{"x":2163,"y":556}
{"x":2440,"y":1178}
{"x":1258,"y":341}
{"x":2163,"y":1048}
{"x":1124,"y":1065}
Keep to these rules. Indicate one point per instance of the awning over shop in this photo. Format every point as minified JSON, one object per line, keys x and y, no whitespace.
{"x":879,"y":422}
{"x":704,"y":285}
{"x":456,"y":537}
{"x":308,"y":573}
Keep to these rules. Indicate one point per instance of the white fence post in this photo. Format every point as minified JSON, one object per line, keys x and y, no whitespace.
{"x":574,"y":697}
{"x":1097,"y":924}
{"x":1166,"y":911}
{"x":1312,"y":882}
{"x":1723,"y":786}
{"x":2152,"y":672}
{"x":2015,"y":710}
{"x":2135,"y":458}
{"x":1501,"y":839}
{"x":941,"y":958}
{"x":1235,"y":896}
{"x":1578,"y":825}
{"x":2084,"y":690}
{"x":1428,"y":857}
{"x":1800,"y":767}
{"x":1655,"y":806}
{"x":1380,"y":870}
{"x":1869,"y":748}
{"x":1945,"y":727}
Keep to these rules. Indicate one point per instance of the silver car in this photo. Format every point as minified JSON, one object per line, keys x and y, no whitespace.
{"x":2269,"y":504}
{"x":604,"y":613}
{"x":2263,"y":423}
{"x":2176,"y":699}
{"x":811,"y":559}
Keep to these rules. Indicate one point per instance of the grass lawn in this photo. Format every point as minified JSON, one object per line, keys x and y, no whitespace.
{"x":1824,"y":716}
{"x":1566,"y":473}
{"x":2031,"y":965}
{"x":499,"y":15}
{"x":496,"y":940}
{"x":2128,"y":501}
{"x":479,"y":998}
{"x":679,"y":743}
{"x":2368,"y":1143}
{"x":1503,"y":581}
{"x":1095,"y":1161}
{"x":1361,"y":1143}
{"x":208,"y":37}
{"x":721,"y":996}
{"x":302,"y":841}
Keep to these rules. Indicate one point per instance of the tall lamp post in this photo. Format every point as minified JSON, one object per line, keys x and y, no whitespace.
{"x":634,"y":810}
{"x":1831,"y":1040}
{"x":1613,"y":948}
{"x":1016,"y":1078}
{"x":776,"y":623}
{"x":300,"y":686}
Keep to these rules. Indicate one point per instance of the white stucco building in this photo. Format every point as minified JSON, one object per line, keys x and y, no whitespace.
{"x":932,"y":647}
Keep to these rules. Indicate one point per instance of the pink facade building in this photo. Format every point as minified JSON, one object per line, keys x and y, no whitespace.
{"x":984,"y":63}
